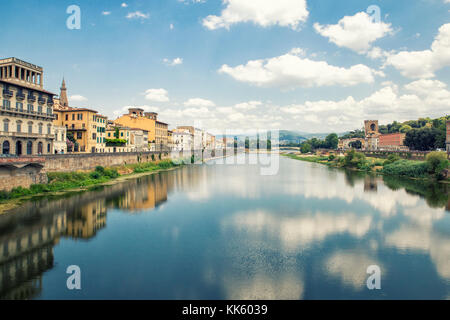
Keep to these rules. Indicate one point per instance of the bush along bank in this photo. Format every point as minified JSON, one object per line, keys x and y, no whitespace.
{"x":435,"y":166}
{"x":58,"y":181}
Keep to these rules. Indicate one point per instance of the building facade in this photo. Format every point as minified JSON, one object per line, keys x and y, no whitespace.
{"x":182,"y":140}
{"x":60,"y":143}
{"x":392,"y":142}
{"x":157,"y":131}
{"x":26,"y":110}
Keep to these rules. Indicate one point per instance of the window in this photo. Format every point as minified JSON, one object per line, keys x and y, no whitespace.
{"x":121,"y":134}
{"x":67,"y":117}
{"x":94,"y":136}
{"x":40,"y":128}
{"x":39,"y":109}
{"x":80,"y":116}
{"x":73,"y":116}
{"x":6,"y":104}
{"x":48,"y":148}
{"x":19,"y":126}
{"x":49,"y":110}
{"x":30,"y":127}
{"x":29,"y":148}
{"x":56,"y":116}
{"x":6,"y":147}
{"x":6,"y":125}
{"x":49,"y":129}
{"x":40,"y":148}
{"x":30,"y":108}
{"x":19,"y":106}
{"x":79,"y":135}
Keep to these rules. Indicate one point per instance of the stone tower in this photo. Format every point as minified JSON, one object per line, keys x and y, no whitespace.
{"x":371,"y":128}
{"x":64,"y":102}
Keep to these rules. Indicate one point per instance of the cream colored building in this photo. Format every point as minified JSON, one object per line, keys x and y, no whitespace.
{"x":60,"y":143}
{"x":26,"y":109}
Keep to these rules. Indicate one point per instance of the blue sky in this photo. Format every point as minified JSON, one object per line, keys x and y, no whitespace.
{"x":306,"y":65}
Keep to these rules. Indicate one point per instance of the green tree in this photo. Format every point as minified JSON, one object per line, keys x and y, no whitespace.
{"x":306,"y":148}
{"x":405,"y":128}
{"x":332,"y":141}
{"x":437,"y":163}
{"x":423,"y":139}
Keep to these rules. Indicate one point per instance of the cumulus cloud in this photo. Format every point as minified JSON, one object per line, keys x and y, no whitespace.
{"x":158,"y":95}
{"x":251,"y":105}
{"x":106,"y":13}
{"x":138,"y":15}
{"x":417,"y":99}
{"x":356,"y":32}
{"x":199,"y":102}
{"x":265,"y":13}
{"x":292,"y":70}
{"x":124,"y":5}
{"x":424,"y":64}
{"x":77,"y":98}
{"x":174,"y":62}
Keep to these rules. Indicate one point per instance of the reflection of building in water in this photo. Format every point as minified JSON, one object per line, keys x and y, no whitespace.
{"x":25,"y":254}
{"x":370,"y":184}
{"x":84,"y":222}
{"x":145,"y":193}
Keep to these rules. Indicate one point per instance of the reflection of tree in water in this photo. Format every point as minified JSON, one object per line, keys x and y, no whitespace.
{"x":351,"y":177}
{"x":437,"y":195}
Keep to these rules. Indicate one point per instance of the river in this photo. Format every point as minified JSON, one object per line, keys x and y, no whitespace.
{"x":228,"y":232}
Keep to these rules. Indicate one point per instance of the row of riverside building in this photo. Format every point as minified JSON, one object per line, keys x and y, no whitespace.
{"x":34,"y":121}
{"x":375,"y":141}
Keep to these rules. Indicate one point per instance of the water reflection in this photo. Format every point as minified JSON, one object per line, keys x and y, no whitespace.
{"x":226,"y":232}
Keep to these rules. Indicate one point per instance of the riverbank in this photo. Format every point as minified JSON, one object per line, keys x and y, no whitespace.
{"x":432,"y":169}
{"x":63,"y":183}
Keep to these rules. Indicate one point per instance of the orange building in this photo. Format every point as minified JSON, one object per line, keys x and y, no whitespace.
{"x":147,"y":121}
{"x":393,"y":141}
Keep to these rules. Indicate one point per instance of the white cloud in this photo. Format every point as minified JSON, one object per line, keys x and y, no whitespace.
{"x":291,"y":70}
{"x":174,"y":62}
{"x":265,"y":13}
{"x":106,"y":13}
{"x":198,"y":102}
{"x":356,"y":32}
{"x":124,"y":5}
{"x":171,"y":26}
{"x":424,"y":64}
{"x":158,"y":95}
{"x":138,"y":15}
{"x":77,"y":98}
{"x":421,"y":98}
{"x":251,"y":105}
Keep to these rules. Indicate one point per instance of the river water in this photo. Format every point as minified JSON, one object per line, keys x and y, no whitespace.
{"x":228,"y":232}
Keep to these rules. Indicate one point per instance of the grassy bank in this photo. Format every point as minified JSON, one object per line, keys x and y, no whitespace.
{"x":432,"y":168}
{"x":68,"y":181}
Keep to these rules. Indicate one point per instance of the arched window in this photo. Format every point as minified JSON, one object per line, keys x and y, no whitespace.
{"x":49,"y":129}
{"x":19,"y":126}
{"x":6,"y":147}
{"x":372,"y":127}
{"x":40,"y":148}
{"x":19,"y":148}
{"x":48,"y":148}
{"x":6,"y":125}
{"x":29,"y":148}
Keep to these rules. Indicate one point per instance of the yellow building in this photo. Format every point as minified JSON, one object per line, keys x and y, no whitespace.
{"x":87,"y":126}
{"x":148,"y":121}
